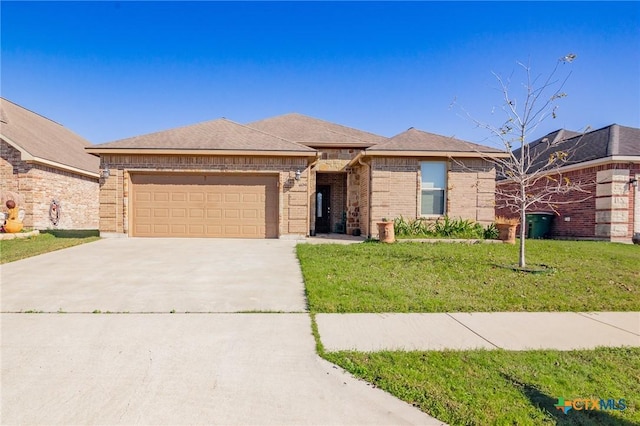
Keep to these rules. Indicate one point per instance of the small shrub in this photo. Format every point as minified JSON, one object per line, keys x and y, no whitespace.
{"x":440,"y":228}
{"x":491,"y":232}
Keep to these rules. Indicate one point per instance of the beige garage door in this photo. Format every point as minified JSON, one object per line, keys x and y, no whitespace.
{"x":228,"y":206}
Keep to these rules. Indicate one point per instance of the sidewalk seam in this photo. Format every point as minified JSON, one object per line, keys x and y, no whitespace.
{"x":473,"y":331}
{"x":583,"y":314}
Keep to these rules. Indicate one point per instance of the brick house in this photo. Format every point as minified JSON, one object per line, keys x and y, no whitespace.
{"x":286,"y":177}
{"x":41,"y":162}
{"x":607,"y":162}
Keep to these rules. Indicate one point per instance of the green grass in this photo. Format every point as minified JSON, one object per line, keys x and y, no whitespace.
{"x":16,"y":249}
{"x":443,"y":277}
{"x":501,"y":387}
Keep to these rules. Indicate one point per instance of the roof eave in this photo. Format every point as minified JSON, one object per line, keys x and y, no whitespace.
{"x":225,"y":152}
{"x":320,"y":145}
{"x":27,"y":157}
{"x":449,"y":154}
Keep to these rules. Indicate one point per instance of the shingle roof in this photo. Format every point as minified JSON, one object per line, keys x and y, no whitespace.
{"x":417,"y":140}
{"x":613,"y":140}
{"x":43,"y":138}
{"x":220,"y":134}
{"x":313,"y":132}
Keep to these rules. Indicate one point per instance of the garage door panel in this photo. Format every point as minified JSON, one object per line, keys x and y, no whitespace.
{"x":214,"y":198}
{"x":178,"y":196}
{"x":204,"y":206}
{"x":161,"y":228}
{"x":142,"y":196}
{"x":178,"y":213}
{"x":250,"y":214}
{"x":196,"y":197}
{"x":160,"y":213}
{"x":160,"y":196}
{"x":196,"y":213}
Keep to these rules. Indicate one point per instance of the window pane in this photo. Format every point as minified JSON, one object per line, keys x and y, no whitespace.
{"x":434,"y":174}
{"x":432,"y":201}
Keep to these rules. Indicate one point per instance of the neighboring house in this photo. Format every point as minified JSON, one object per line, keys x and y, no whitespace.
{"x":286,"y":177}
{"x":45,"y":166}
{"x":607,"y":163}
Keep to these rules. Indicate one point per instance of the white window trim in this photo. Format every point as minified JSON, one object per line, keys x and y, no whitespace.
{"x":445,"y":192}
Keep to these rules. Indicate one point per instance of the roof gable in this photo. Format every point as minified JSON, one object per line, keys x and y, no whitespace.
{"x":220,"y":134}
{"x":311,"y":131}
{"x":418,"y":140}
{"x":44,"y":139}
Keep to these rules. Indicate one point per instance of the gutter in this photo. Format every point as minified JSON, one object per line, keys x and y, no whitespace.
{"x":162,"y":151}
{"x":427,"y":154}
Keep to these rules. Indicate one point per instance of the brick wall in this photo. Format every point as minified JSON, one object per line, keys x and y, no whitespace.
{"x":364,"y":172}
{"x":396,"y":189}
{"x":293,"y":194}
{"x":606,"y":213}
{"x":471,"y":184}
{"x":38,"y":185}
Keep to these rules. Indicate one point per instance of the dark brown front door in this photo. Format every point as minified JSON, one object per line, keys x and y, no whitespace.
{"x":323,"y":209}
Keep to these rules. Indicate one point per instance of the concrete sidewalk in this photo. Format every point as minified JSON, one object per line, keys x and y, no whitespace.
{"x":462,"y":331}
{"x":173,"y":369}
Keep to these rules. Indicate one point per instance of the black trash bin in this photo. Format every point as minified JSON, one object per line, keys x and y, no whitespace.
{"x":539,"y":224}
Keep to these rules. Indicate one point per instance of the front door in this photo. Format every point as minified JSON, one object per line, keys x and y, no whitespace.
{"x":323,"y":209}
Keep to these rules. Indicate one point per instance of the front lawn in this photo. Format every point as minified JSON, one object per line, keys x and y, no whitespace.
{"x":443,"y":277}
{"x":16,"y":249}
{"x":502,"y":387}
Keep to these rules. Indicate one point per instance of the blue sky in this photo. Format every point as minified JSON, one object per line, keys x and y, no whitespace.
{"x":111,"y":70}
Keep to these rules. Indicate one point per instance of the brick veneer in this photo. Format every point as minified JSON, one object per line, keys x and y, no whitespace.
{"x":607,"y":214}
{"x":39,"y":185}
{"x":293,"y":194}
{"x":395,"y":190}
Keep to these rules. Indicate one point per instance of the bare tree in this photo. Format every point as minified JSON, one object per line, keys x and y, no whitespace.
{"x":531,"y":174}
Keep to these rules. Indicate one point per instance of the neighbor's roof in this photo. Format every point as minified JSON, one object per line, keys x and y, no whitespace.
{"x":42,"y":140}
{"x":313,"y":132}
{"x":417,"y":140}
{"x":215,"y":135}
{"x":611,"y":141}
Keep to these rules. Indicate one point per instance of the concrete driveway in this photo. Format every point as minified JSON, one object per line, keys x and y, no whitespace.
{"x":146,"y":365}
{"x":158,"y":275}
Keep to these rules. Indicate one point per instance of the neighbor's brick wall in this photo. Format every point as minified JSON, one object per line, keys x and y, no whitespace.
{"x":608,"y":211}
{"x":39,"y":185}
{"x":10,"y":167}
{"x":77,"y":197}
{"x":293,"y":195}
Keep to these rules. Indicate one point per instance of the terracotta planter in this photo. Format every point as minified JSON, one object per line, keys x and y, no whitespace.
{"x":12,"y":226}
{"x":507,"y":232}
{"x":385,"y":232}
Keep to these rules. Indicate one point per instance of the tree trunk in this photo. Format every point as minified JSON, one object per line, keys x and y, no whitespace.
{"x":523,"y":215}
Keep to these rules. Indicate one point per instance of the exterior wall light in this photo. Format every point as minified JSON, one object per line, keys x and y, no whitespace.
{"x":633,"y":182}
{"x":298,"y":174}
{"x":105,"y":172}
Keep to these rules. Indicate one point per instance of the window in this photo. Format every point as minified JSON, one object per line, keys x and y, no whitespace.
{"x":433,"y":194}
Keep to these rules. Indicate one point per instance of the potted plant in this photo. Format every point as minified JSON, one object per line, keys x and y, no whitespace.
{"x":385,"y":231}
{"x":507,"y":228}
